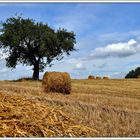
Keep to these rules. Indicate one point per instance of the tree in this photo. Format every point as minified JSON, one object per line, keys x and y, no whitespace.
{"x":133,"y":73}
{"x":34,"y":43}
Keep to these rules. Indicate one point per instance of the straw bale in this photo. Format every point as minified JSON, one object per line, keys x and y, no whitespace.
{"x":91,"y":77}
{"x":105,"y":77}
{"x":98,"y":77}
{"x":57,"y":82}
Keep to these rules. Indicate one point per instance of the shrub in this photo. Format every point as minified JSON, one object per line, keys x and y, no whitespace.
{"x":133,"y":73}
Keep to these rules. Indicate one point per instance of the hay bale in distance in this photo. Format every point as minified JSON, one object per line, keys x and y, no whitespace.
{"x":105,"y":77}
{"x":98,"y":77}
{"x":57,"y":82}
{"x":91,"y":77}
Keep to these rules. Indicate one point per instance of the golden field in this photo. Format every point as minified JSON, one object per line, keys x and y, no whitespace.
{"x":97,"y":108}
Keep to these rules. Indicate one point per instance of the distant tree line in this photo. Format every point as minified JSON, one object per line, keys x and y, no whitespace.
{"x":133,"y":73}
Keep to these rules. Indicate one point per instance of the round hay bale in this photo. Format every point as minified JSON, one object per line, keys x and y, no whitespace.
{"x":98,"y":77}
{"x":91,"y":77}
{"x":105,"y":77}
{"x":57,"y":82}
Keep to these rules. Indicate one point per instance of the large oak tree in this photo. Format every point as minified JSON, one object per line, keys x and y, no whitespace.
{"x":34,"y":43}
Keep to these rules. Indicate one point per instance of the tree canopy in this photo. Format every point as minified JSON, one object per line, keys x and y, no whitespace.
{"x":34,"y":43}
{"x":133,"y":73}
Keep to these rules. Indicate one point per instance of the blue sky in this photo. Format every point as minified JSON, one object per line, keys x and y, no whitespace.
{"x":108,"y":37}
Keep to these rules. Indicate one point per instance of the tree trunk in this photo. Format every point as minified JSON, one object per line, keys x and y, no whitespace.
{"x":36,"y":72}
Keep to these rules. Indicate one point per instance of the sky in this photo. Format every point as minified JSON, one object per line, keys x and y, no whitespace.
{"x":107,"y":36}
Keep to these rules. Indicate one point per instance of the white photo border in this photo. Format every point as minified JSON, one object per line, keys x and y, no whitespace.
{"x":68,"y":1}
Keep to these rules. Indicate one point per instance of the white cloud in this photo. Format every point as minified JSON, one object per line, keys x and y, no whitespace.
{"x":3,"y":54}
{"x":3,"y":70}
{"x":100,"y":66}
{"x":119,"y":36}
{"x":118,"y":75}
{"x":80,"y":66}
{"x":116,"y":50}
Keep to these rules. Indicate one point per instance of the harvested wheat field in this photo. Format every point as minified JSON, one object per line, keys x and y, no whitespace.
{"x":95,"y":108}
{"x":22,"y":117}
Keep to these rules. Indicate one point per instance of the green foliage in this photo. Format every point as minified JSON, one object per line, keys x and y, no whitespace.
{"x":133,"y":73}
{"x":34,"y":43}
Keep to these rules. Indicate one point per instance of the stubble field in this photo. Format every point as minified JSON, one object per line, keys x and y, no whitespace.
{"x":110,"y":107}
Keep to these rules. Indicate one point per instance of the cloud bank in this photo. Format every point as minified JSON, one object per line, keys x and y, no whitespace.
{"x":116,"y":50}
{"x":100,"y":66}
